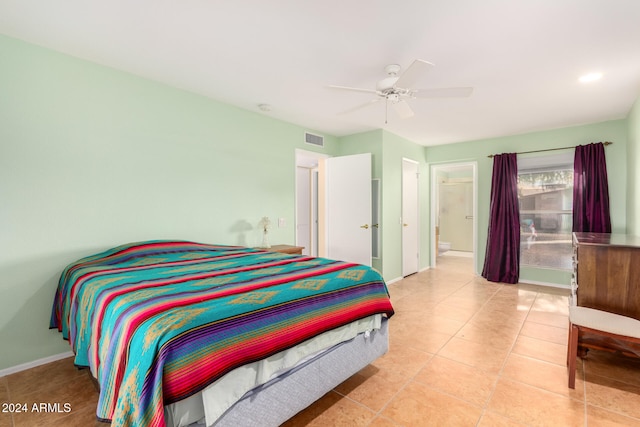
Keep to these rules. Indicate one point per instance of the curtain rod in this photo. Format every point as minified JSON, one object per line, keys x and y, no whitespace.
{"x":549,"y":149}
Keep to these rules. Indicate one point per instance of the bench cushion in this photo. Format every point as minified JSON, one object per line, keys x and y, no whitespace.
{"x":604,"y":321}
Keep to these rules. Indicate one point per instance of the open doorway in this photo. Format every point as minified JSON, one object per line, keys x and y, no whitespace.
{"x":307,"y":200}
{"x":453,"y":211}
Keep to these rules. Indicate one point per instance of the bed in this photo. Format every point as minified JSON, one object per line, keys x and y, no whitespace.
{"x":178,"y":332}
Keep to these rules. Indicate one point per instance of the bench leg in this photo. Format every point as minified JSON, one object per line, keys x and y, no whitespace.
{"x":572,"y":354}
{"x":568,"y":342}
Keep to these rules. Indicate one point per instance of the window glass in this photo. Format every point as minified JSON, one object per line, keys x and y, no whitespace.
{"x":545,"y":194}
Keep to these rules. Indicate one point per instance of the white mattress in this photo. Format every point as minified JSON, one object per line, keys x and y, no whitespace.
{"x":206,"y":407}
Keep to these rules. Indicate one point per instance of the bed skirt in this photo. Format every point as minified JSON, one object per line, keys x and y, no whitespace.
{"x":281,"y":398}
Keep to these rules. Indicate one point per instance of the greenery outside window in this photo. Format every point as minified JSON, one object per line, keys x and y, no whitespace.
{"x":545,"y":194}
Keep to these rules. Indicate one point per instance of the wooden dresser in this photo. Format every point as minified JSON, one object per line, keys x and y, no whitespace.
{"x":607,"y":272}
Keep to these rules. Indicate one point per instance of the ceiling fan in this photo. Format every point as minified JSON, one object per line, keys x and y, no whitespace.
{"x":398,"y":87}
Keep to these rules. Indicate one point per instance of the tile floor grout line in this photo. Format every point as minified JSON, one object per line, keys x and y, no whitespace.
{"x":536,"y":387}
{"x":404,"y":386}
{"x":499,"y":375}
{"x":484,"y":407}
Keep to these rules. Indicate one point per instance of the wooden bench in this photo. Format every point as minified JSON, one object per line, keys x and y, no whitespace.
{"x":600,"y":323}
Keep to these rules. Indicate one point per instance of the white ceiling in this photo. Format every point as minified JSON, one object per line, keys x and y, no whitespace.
{"x":523,"y":57}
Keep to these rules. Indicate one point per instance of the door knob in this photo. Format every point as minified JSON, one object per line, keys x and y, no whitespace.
{"x":405,"y":225}
{"x":366,"y":226}
{"x":376,"y":225}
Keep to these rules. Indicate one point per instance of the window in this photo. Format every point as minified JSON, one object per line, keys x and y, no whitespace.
{"x":545,"y":194}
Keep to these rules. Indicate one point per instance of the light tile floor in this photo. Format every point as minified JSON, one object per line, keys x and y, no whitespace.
{"x":463,"y":352}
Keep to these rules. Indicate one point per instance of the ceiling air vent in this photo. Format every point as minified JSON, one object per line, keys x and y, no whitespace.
{"x":312,"y":139}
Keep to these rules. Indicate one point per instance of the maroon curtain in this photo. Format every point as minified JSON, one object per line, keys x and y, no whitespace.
{"x":590,"y":190}
{"x":502,"y":259}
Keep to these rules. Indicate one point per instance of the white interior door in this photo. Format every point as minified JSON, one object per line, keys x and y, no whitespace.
{"x":410,"y":222}
{"x":347,"y":210}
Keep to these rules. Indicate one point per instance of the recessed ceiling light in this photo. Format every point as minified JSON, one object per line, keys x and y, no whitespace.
{"x":589,"y":78}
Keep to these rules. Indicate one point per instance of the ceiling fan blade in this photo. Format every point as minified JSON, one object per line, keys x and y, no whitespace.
{"x":351,"y":110}
{"x":403,"y":109}
{"x":353,"y":89}
{"x":448,"y":92}
{"x":412,"y":74}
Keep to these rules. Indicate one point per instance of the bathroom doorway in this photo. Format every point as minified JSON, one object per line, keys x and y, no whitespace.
{"x":453,"y":210}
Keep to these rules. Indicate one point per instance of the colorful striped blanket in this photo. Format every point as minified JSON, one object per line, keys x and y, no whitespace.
{"x":158,"y":321}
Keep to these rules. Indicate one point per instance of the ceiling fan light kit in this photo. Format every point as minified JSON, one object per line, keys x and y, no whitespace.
{"x":397,"y":87}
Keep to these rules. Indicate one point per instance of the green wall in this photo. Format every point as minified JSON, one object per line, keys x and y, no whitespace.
{"x":633,"y":175}
{"x":394,"y":149}
{"x":388,"y":151}
{"x":91,"y":158}
{"x":615,"y":131}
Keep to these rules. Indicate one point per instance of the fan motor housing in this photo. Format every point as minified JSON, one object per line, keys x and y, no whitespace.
{"x":386,"y":85}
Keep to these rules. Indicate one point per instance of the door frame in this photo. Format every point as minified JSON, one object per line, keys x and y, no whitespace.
{"x":435,"y":168}
{"x":310,"y":160}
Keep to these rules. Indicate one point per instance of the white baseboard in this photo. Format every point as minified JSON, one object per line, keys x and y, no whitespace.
{"x":397,"y":279}
{"x":551,"y":285}
{"x":33,"y":364}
